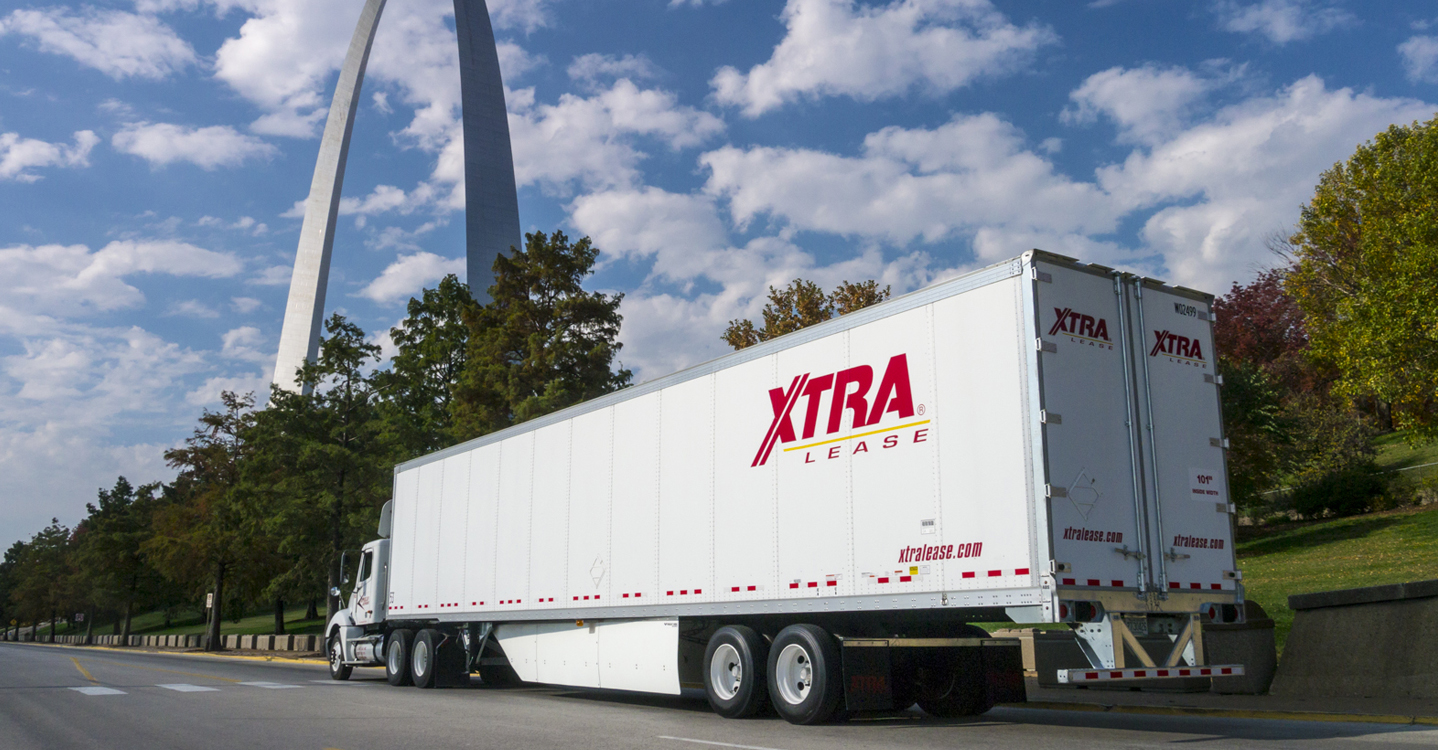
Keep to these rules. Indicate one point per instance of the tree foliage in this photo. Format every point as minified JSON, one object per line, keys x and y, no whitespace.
{"x":542,"y":342}
{"x":802,"y":304}
{"x":416,"y":394}
{"x":1365,"y":250}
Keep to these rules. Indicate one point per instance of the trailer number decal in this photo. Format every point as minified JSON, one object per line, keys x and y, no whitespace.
{"x":850,"y":393}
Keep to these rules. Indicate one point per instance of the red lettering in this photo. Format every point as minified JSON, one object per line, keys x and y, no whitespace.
{"x":1059,"y":324}
{"x":863,"y":377}
{"x":1101,"y":330}
{"x":808,"y":459}
{"x":921,"y":436}
{"x":894,"y":392}
{"x":779,"y":400}
{"x":1086,"y":326}
{"x":814,"y":391}
{"x":891,"y":441}
{"x":834,"y":452}
{"x":861,"y":447}
{"x":1197,"y":350}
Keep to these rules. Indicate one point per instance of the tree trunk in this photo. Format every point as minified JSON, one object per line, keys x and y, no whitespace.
{"x":125,"y":632}
{"x":279,"y":616}
{"x":115,"y":626}
{"x":312,"y":611}
{"x":212,"y":637}
{"x":53,"y":618}
{"x":90,"y":626}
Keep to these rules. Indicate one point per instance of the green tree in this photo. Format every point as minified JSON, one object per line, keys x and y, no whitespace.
{"x":416,"y":392}
{"x":109,"y":566}
{"x":542,"y":343}
{"x":45,"y":562}
{"x":202,"y":537}
{"x":1365,"y":251}
{"x":324,"y":462}
{"x":802,"y":304}
{"x":9,"y":581}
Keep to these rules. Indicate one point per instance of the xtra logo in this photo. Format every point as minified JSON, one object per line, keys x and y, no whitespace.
{"x":1078,"y":326}
{"x":1178,"y":348}
{"x":849,"y":392}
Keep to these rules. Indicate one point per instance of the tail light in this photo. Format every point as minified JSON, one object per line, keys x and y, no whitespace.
{"x":1080,"y":612}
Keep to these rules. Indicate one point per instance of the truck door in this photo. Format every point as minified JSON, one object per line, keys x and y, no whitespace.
{"x":367,"y":603}
{"x":1191,"y":533}
{"x":1095,"y":526}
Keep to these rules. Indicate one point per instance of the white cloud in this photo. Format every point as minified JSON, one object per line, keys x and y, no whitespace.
{"x":18,"y":156}
{"x":114,"y":42}
{"x":163,"y":143}
{"x":246,"y":343}
{"x":273,"y":276}
{"x":1146,"y":103}
{"x":837,"y":48}
{"x":192,"y":308}
{"x":907,"y":184}
{"x":591,"y":140}
{"x":1282,"y":21}
{"x":245,"y":305}
{"x":591,"y":68}
{"x":409,"y":274}
{"x":1420,"y":58}
{"x":66,"y":280}
{"x":515,"y":61}
{"x":247,"y":224}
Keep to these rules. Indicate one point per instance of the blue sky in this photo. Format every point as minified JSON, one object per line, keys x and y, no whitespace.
{"x":152,"y":153}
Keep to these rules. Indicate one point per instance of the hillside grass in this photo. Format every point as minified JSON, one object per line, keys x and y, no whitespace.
{"x":1396,"y":454}
{"x":1396,"y":546}
{"x":189,"y":623}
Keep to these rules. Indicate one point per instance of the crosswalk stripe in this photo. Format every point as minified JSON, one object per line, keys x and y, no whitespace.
{"x":97,"y":690}
{"x":269,"y":685}
{"x":181,"y":687}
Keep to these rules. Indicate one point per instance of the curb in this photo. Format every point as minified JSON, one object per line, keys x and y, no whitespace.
{"x":1228,"y":713}
{"x":202,"y":654}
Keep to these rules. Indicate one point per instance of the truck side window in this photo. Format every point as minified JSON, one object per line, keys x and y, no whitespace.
{"x":365,"y":563}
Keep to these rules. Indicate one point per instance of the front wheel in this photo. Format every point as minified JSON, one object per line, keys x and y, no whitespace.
{"x":396,"y":657}
{"x":734,"y":679}
{"x":806,"y":680}
{"x":338,"y":669}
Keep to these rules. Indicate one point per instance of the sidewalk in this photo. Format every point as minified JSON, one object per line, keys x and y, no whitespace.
{"x":1371,"y":710}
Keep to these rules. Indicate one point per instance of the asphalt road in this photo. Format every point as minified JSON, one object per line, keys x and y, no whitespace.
{"x":58,"y":698}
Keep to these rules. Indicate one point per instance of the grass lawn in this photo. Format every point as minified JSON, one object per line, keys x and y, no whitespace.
{"x":188,"y":623}
{"x":1391,"y":547}
{"x":1395,"y":454}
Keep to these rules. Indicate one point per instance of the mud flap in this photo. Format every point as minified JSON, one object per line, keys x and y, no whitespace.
{"x":1003,"y":662}
{"x":868,"y":679}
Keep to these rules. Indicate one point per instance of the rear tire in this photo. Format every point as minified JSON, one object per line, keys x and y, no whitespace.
{"x":338,"y":669}
{"x":396,"y":657}
{"x":806,"y":681}
{"x":734,"y":672}
{"x":423,"y":660}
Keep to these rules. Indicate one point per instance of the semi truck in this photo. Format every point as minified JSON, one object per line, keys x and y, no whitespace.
{"x":815,"y":524}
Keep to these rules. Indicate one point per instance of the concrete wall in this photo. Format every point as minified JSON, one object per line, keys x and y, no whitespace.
{"x":302,"y":643}
{"x":1374,"y":642}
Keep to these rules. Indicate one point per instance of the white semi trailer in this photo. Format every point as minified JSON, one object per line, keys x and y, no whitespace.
{"x":813,"y":523}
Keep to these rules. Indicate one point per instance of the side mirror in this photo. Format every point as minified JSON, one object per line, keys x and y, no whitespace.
{"x":335,"y":591}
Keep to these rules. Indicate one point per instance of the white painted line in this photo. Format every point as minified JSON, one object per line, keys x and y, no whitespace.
{"x":716,"y":744}
{"x":269,"y":685}
{"x":181,"y":687}
{"x":96,"y":690}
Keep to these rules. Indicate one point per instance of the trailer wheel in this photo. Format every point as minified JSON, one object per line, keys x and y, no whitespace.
{"x":338,"y":669}
{"x":423,"y":664}
{"x":734,"y":678}
{"x":806,"y":680}
{"x":396,"y":657}
{"x":950,"y":682}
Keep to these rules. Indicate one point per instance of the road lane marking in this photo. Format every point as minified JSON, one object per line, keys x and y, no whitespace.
{"x":83,"y":670}
{"x":716,"y":744}
{"x":97,"y":690}
{"x":181,"y":687}
{"x":269,"y":685}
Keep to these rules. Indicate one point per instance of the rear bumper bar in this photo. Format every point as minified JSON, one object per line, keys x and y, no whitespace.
{"x":1148,"y":673}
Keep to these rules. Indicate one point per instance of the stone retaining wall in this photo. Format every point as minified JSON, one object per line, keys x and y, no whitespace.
{"x":302,"y":643}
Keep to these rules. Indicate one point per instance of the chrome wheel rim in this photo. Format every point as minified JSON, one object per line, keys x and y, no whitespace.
{"x":726,"y":672}
{"x":394,"y":662}
{"x":336,"y":655}
{"x":794,"y":673}
{"x":421,"y":658}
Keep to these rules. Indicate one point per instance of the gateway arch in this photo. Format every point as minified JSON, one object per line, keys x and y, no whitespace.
{"x":491,"y":205}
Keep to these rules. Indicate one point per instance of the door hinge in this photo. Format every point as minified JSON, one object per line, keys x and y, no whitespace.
{"x":1048,"y":417}
{"x":1127,"y":553}
{"x":1218,"y":442}
{"x":1052,"y":491}
{"x":1046,"y":346}
{"x":1227,"y":507}
{"x":1215,"y":379}
{"x":1043,"y":276}
{"x":1173,"y":555}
